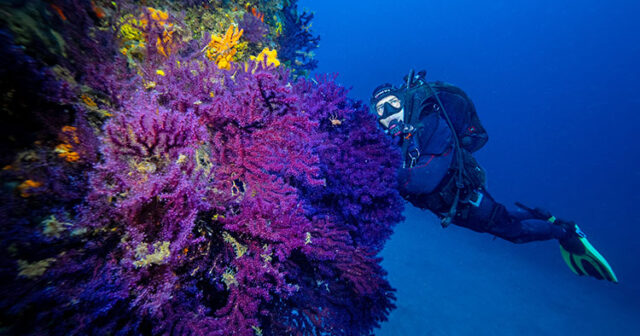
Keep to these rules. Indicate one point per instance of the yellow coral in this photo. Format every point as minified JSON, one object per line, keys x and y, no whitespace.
{"x":132,"y":32}
{"x":160,"y":254}
{"x":181,"y":159}
{"x":221,"y":49}
{"x":229,"y":278}
{"x":270,"y":55}
{"x":34,"y":269}
{"x":278,"y":29}
{"x":266,"y":256}
{"x":203,"y":160}
{"x":146,"y":167}
{"x":53,"y":227}
{"x":238,"y":248}
{"x":149,"y":85}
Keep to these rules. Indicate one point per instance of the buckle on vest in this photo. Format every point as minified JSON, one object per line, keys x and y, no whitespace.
{"x":479,"y":196}
{"x":414,"y":154}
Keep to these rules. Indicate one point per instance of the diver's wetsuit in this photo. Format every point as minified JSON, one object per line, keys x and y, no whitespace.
{"x":433,"y":169}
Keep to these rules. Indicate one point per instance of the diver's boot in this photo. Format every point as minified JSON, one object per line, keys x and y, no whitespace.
{"x":581,"y":257}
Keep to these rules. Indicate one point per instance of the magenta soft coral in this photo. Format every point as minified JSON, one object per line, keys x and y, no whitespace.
{"x":235,"y":202}
{"x":221,"y":204}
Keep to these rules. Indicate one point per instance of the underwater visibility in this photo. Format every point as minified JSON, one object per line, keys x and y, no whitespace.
{"x":285,"y":167}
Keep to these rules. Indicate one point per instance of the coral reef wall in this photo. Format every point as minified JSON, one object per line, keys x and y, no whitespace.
{"x":170,"y":168}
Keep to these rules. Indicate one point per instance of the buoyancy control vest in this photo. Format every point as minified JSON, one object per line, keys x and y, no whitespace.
{"x":468,"y":136}
{"x":420,"y":95}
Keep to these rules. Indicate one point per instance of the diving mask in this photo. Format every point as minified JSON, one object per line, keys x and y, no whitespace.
{"x":388,"y":106}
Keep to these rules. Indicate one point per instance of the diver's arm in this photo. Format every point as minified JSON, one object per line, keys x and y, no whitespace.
{"x":425,"y":176}
{"x":436,"y":154}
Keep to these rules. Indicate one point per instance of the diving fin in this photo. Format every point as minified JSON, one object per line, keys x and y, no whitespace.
{"x":582,"y":258}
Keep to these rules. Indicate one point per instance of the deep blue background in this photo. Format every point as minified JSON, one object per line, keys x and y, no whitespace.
{"x":556,"y":84}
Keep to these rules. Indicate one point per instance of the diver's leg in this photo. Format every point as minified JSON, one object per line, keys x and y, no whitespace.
{"x":515,"y":226}
{"x":525,"y":225}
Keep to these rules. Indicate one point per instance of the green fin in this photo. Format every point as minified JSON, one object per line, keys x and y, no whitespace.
{"x":583,"y":259}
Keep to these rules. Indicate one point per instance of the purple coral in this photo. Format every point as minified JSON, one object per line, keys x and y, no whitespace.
{"x":214,"y":202}
{"x":254,"y":29}
{"x":235,"y":202}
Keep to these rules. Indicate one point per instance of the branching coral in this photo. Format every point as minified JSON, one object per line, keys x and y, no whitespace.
{"x":224,"y":199}
{"x":296,"y":40}
{"x":254,"y":28}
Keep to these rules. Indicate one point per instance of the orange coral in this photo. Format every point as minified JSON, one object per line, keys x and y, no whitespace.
{"x":97,"y":10}
{"x":26,"y":185}
{"x":135,"y":32}
{"x":221,"y":49}
{"x":66,"y":152}
{"x":158,"y":15}
{"x":257,"y":14}
{"x":59,"y":11}
{"x":65,"y":149}
{"x":161,"y":18}
{"x":87,"y":100}
{"x":71,"y":132}
{"x":254,"y":11}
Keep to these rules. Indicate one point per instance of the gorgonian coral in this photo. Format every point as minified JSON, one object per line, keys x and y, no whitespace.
{"x":223,"y":200}
{"x":213,"y":181}
{"x":295,"y":38}
{"x":254,"y":28}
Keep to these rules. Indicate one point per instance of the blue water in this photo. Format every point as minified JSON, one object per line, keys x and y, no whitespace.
{"x":557,"y":86}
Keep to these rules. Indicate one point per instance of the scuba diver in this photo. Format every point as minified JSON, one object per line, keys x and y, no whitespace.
{"x":437,"y":128}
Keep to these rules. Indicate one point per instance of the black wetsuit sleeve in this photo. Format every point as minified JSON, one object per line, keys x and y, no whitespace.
{"x":435,"y":144}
